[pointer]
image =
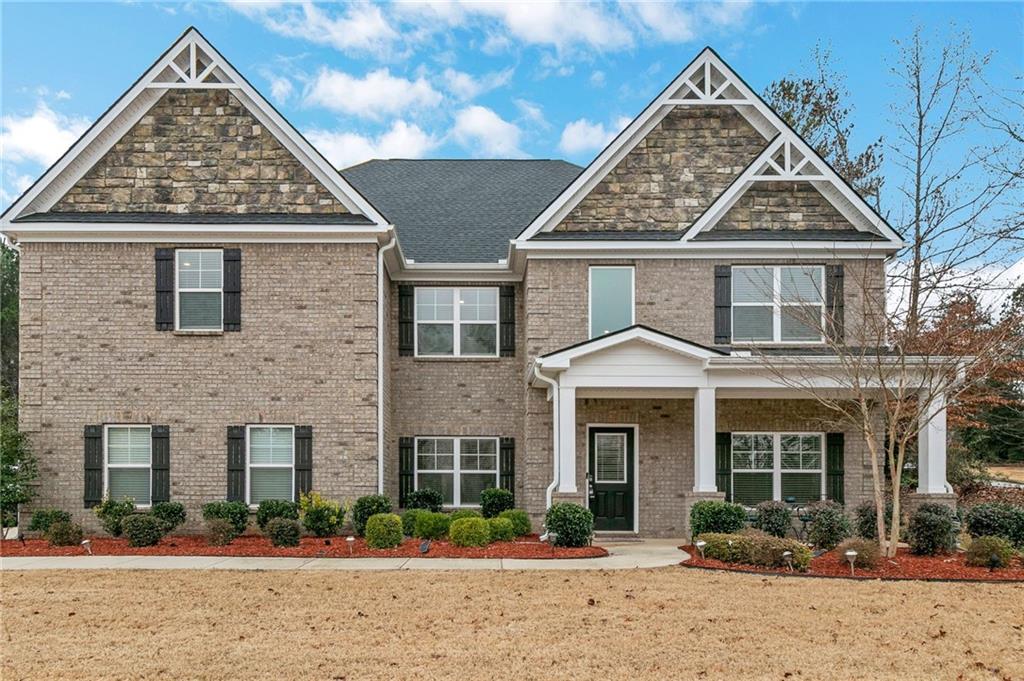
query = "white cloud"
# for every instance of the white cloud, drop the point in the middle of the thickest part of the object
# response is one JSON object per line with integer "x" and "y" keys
{"x": 402, "y": 140}
{"x": 361, "y": 28}
{"x": 373, "y": 96}
{"x": 597, "y": 78}
{"x": 41, "y": 136}
{"x": 531, "y": 112}
{"x": 280, "y": 88}
{"x": 678, "y": 23}
{"x": 560, "y": 24}
{"x": 582, "y": 136}
{"x": 466, "y": 86}
{"x": 485, "y": 133}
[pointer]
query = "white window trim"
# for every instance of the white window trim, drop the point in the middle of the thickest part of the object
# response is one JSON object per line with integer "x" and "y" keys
{"x": 776, "y": 305}
{"x": 456, "y": 470}
{"x": 456, "y": 321}
{"x": 249, "y": 465}
{"x": 776, "y": 469}
{"x": 178, "y": 290}
{"x": 106, "y": 459}
{"x": 590, "y": 295}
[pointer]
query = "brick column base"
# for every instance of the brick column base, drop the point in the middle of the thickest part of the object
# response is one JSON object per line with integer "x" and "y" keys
{"x": 691, "y": 498}
{"x": 912, "y": 501}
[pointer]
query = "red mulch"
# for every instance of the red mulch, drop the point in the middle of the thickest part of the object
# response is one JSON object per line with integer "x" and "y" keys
{"x": 904, "y": 566}
{"x": 309, "y": 547}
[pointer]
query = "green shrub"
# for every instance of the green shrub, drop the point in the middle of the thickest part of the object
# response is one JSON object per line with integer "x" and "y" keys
{"x": 716, "y": 516}
{"x": 220, "y": 532}
{"x": 235, "y": 512}
{"x": 470, "y": 532}
{"x": 384, "y": 531}
{"x": 573, "y": 524}
{"x": 409, "y": 520}
{"x": 64, "y": 533}
{"x": 520, "y": 521}
{"x": 994, "y": 520}
{"x": 867, "y": 550}
{"x": 461, "y": 513}
{"x": 501, "y": 529}
{"x": 865, "y": 523}
{"x": 111, "y": 513}
{"x": 321, "y": 517}
{"x": 42, "y": 518}
{"x": 432, "y": 525}
{"x": 990, "y": 552}
{"x": 142, "y": 529}
{"x": 828, "y": 525}
{"x": 931, "y": 530}
{"x": 773, "y": 517}
{"x": 283, "y": 531}
{"x": 275, "y": 508}
{"x": 494, "y": 500}
{"x": 751, "y": 549}
{"x": 366, "y": 507}
{"x": 427, "y": 499}
{"x": 171, "y": 515}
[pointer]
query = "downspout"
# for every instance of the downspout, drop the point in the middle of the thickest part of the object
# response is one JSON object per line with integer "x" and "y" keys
{"x": 554, "y": 445}
{"x": 380, "y": 361}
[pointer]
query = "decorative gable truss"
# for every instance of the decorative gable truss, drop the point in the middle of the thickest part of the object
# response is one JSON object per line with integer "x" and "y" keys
{"x": 191, "y": 67}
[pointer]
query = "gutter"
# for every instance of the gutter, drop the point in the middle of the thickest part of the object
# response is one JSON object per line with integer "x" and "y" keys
{"x": 554, "y": 445}
{"x": 380, "y": 360}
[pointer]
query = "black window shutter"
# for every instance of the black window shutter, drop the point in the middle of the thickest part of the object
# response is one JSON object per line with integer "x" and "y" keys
{"x": 507, "y": 470}
{"x": 834, "y": 300}
{"x": 723, "y": 464}
{"x": 93, "y": 465}
{"x": 406, "y": 319}
{"x": 723, "y": 304}
{"x": 834, "y": 455}
{"x": 236, "y": 463}
{"x": 232, "y": 289}
{"x": 164, "y": 289}
{"x": 406, "y": 468}
{"x": 160, "y": 463}
{"x": 508, "y": 321}
{"x": 303, "y": 460}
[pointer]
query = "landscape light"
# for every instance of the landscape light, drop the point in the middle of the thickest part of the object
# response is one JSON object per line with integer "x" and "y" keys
{"x": 552, "y": 537}
{"x": 788, "y": 557}
{"x": 87, "y": 545}
{"x": 700, "y": 544}
{"x": 851, "y": 556}
{"x": 350, "y": 541}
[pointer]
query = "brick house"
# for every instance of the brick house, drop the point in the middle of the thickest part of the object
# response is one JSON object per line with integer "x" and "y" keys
{"x": 209, "y": 310}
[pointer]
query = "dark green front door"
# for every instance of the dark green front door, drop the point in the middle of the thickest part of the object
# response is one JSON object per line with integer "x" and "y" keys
{"x": 610, "y": 473}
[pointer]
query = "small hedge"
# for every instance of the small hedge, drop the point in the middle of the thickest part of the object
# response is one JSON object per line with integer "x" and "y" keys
{"x": 828, "y": 526}
{"x": 283, "y": 531}
{"x": 142, "y": 529}
{"x": 931, "y": 531}
{"x": 751, "y": 549}
{"x": 865, "y": 524}
{"x": 220, "y": 532}
{"x": 461, "y": 513}
{"x": 235, "y": 512}
{"x": 501, "y": 529}
{"x": 494, "y": 500}
{"x": 520, "y": 521}
{"x": 111, "y": 513}
{"x": 773, "y": 517}
{"x": 384, "y": 531}
{"x": 43, "y": 518}
{"x": 368, "y": 506}
{"x": 431, "y": 525}
{"x": 171, "y": 515}
{"x": 426, "y": 499}
{"x": 990, "y": 552}
{"x": 867, "y": 550}
{"x": 716, "y": 516}
{"x": 470, "y": 531}
{"x": 321, "y": 517}
{"x": 275, "y": 508}
{"x": 409, "y": 520}
{"x": 64, "y": 533}
{"x": 572, "y": 523}
{"x": 990, "y": 520}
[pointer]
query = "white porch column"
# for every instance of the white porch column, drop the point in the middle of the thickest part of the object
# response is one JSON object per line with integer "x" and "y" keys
{"x": 931, "y": 448}
{"x": 567, "y": 440}
{"x": 704, "y": 441}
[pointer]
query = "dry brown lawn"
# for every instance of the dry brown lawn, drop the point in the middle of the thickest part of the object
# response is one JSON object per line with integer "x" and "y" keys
{"x": 1014, "y": 473}
{"x": 654, "y": 624}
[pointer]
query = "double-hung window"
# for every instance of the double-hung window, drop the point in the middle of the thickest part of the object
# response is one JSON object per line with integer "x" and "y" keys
{"x": 129, "y": 456}
{"x": 199, "y": 299}
{"x": 456, "y": 322}
{"x": 611, "y": 299}
{"x": 459, "y": 468}
{"x": 778, "y": 304}
{"x": 271, "y": 457}
{"x": 777, "y": 466}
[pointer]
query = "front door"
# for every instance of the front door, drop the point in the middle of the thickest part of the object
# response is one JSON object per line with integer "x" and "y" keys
{"x": 610, "y": 474}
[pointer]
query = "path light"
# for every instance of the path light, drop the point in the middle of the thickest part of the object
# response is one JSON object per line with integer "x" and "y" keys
{"x": 788, "y": 557}
{"x": 851, "y": 556}
{"x": 350, "y": 541}
{"x": 552, "y": 537}
{"x": 700, "y": 544}
{"x": 993, "y": 562}
{"x": 425, "y": 546}
{"x": 87, "y": 545}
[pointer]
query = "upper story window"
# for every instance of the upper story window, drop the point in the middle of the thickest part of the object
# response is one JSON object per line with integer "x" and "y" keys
{"x": 611, "y": 299}
{"x": 778, "y": 304}
{"x": 199, "y": 299}
{"x": 271, "y": 455}
{"x": 456, "y": 322}
{"x": 129, "y": 457}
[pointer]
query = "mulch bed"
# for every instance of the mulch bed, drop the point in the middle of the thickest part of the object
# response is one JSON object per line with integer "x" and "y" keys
{"x": 309, "y": 547}
{"x": 904, "y": 566}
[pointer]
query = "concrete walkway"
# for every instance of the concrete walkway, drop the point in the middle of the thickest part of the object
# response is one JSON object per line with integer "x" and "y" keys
{"x": 638, "y": 554}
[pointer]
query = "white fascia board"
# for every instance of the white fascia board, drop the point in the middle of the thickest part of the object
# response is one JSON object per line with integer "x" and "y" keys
{"x": 798, "y": 250}
{"x": 474, "y": 272}
{"x": 562, "y": 360}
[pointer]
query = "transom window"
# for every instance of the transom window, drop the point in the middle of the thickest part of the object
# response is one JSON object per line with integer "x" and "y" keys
{"x": 271, "y": 457}
{"x": 459, "y": 468}
{"x": 611, "y": 299}
{"x": 456, "y": 322}
{"x": 199, "y": 300}
{"x": 777, "y": 466}
{"x": 129, "y": 455}
{"x": 783, "y": 304}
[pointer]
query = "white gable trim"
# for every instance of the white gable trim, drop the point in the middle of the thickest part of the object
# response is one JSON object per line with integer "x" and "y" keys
{"x": 563, "y": 358}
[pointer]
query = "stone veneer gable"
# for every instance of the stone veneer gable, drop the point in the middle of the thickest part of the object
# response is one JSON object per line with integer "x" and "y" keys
{"x": 783, "y": 206}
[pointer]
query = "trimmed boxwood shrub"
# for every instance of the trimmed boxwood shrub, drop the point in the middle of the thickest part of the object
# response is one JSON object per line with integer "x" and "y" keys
{"x": 235, "y": 512}
{"x": 283, "y": 531}
{"x": 111, "y": 513}
{"x": 990, "y": 552}
{"x": 520, "y": 521}
{"x": 993, "y": 520}
{"x": 828, "y": 525}
{"x": 220, "y": 532}
{"x": 171, "y": 515}
{"x": 428, "y": 499}
{"x": 753, "y": 549}
{"x": 368, "y": 506}
{"x": 716, "y": 516}
{"x": 461, "y": 513}
{"x": 409, "y": 520}
{"x": 384, "y": 531}
{"x": 867, "y": 550}
{"x": 494, "y": 500}
{"x": 321, "y": 517}
{"x": 64, "y": 533}
{"x": 431, "y": 525}
{"x": 864, "y": 524}
{"x": 275, "y": 508}
{"x": 573, "y": 524}
{"x": 773, "y": 517}
{"x": 501, "y": 529}
{"x": 43, "y": 518}
{"x": 142, "y": 529}
{"x": 931, "y": 531}
{"x": 470, "y": 531}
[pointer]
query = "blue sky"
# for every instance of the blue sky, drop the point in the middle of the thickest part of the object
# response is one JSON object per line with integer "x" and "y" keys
{"x": 452, "y": 79}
